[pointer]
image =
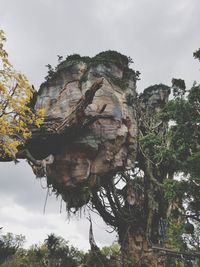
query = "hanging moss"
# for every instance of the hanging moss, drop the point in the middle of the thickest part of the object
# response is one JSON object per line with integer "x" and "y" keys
{"x": 75, "y": 196}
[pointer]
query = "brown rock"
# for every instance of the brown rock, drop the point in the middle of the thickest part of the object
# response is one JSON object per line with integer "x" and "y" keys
{"x": 102, "y": 137}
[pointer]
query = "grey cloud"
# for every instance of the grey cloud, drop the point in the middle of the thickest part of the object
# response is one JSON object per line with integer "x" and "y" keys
{"x": 44, "y": 30}
{"x": 23, "y": 198}
{"x": 156, "y": 34}
{"x": 103, "y": 234}
{"x": 19, "y": 184}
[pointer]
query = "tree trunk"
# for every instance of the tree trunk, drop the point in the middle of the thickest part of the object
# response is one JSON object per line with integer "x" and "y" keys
{"x": 136, "y": 251}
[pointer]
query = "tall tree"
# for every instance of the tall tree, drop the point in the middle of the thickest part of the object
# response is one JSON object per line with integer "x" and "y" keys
{"x": 161, "y": 193}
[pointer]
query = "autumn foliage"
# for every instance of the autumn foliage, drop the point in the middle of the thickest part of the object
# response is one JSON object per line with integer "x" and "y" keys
{"x": 16, "y": 116}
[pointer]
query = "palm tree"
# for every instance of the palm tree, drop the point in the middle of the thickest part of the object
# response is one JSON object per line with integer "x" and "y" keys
{"x": 52, "y": 242}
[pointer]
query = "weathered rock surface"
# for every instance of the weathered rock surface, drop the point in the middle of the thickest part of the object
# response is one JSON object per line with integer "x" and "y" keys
{"x": 100, "y": 141}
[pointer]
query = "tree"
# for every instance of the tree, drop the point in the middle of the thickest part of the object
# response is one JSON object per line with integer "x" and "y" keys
{"x": 54, "y": 251}
{"x": 59, "y": 253}
{"x": 132, "y": 202}
{"x": 9, "y": 245}
{"x": 112, "y": 253}
{"x": 162, "y": 191}
{"x": 153, "y": 200}
{"x": 16, "y": 115}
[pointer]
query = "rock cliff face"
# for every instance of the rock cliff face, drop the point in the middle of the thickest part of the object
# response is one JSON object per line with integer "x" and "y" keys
{"x": 90, "y": 127}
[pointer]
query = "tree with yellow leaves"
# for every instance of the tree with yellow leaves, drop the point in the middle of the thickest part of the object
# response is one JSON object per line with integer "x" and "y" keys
{"x": 16, "y": 116}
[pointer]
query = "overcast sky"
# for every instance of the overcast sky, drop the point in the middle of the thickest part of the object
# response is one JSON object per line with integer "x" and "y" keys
{"x": 159, "y": 35}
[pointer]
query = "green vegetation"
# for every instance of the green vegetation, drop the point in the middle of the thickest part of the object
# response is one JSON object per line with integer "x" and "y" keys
{"x": 196, "y": 54}
{"x": 157, "y": 202}
{"x": 107, "y": 59}
{"x": 54, "y": 251}
{"x": 9, "y": 245}
{"x": 160, "y": 195}
{"x": 16, "y": 113}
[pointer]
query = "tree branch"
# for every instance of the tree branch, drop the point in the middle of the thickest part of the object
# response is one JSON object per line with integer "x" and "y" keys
{"x": 107, "y": 217}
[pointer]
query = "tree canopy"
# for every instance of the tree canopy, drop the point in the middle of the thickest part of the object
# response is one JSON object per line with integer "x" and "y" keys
{"x": 16, "y": 115}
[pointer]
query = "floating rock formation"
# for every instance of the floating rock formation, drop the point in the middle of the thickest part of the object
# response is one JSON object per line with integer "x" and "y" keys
{"x": 90, "y": 130}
